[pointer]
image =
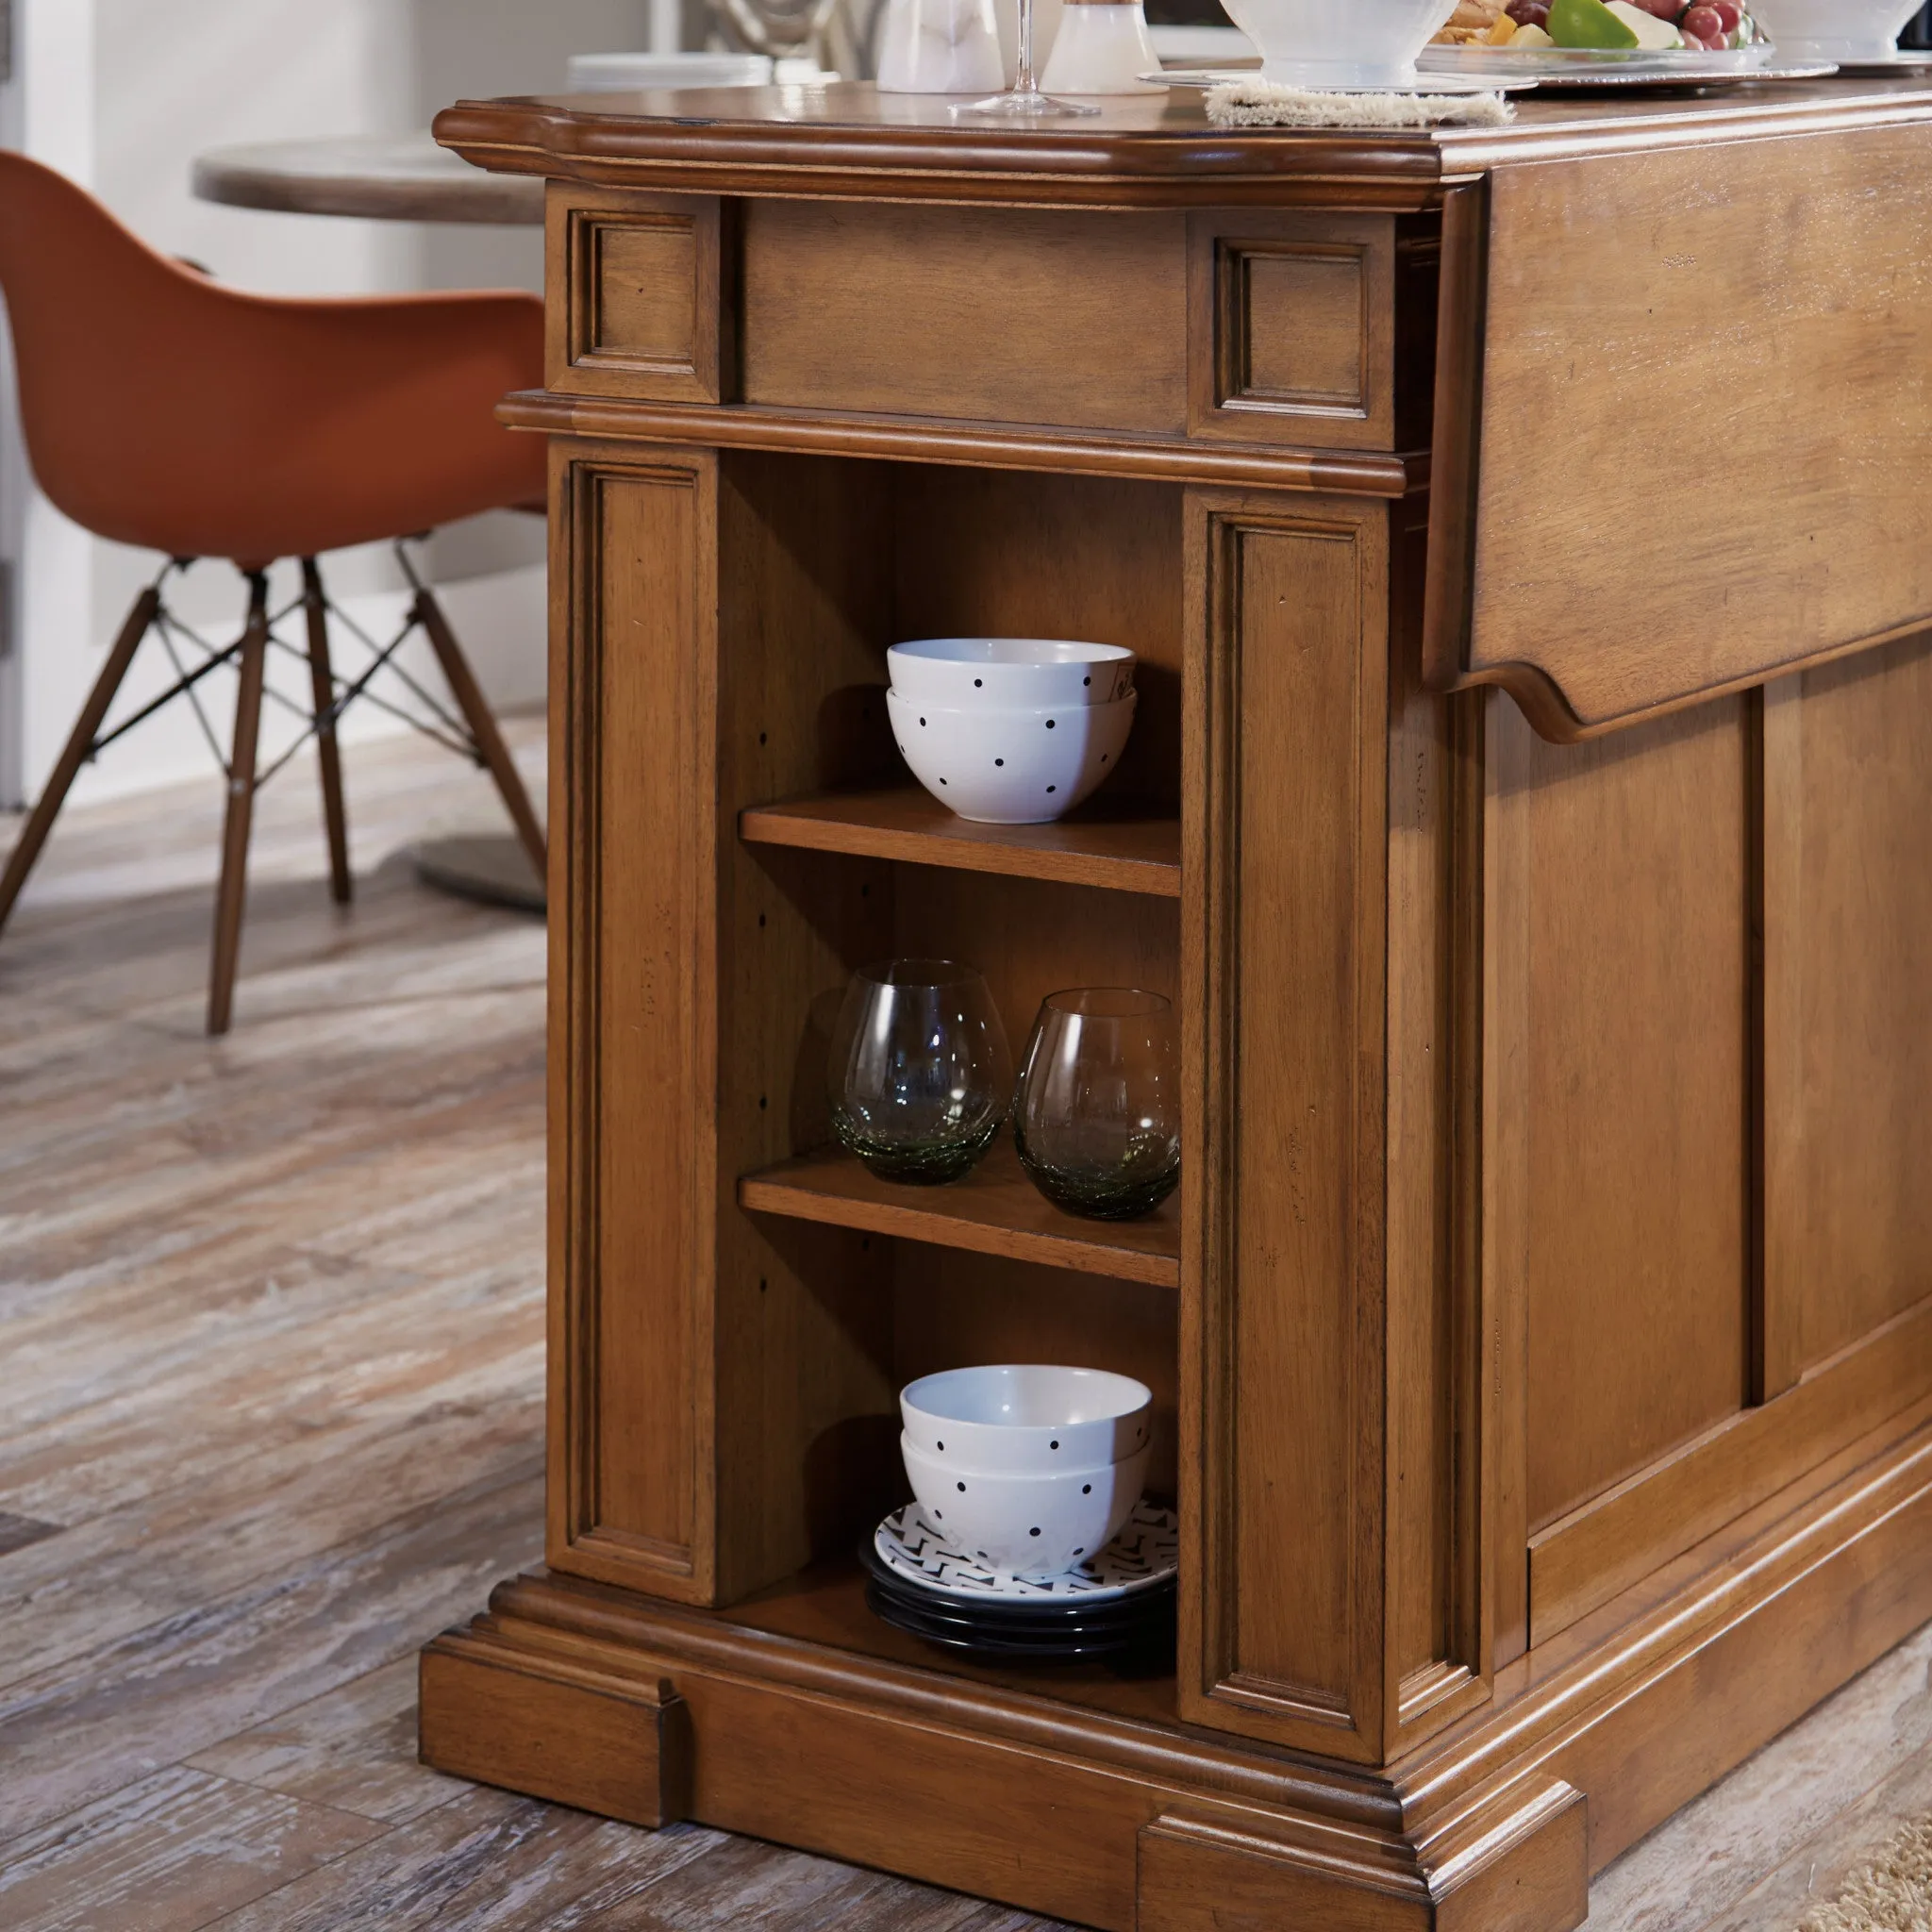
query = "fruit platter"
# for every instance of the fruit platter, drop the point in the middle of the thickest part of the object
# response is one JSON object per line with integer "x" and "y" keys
{"x": 1594, "y": 44}
{"x": 1596, "y": 28}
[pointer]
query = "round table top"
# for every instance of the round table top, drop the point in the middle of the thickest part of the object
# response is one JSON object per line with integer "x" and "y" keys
{"x": 394, "y": 177}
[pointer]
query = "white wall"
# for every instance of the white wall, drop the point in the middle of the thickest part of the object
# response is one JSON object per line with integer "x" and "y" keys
{"x": 122, "y": 94}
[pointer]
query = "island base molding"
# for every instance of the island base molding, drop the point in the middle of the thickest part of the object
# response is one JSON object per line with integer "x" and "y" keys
{"x": 651, "y": 1712}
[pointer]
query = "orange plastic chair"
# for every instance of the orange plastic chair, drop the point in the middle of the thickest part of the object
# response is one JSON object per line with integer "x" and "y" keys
{"x": 164, "y": 410}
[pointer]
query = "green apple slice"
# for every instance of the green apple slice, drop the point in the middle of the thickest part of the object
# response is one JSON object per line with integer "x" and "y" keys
{"x": 1588, "y": 23}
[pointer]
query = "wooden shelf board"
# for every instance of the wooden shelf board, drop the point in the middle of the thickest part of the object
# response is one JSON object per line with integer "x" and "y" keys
{"x": 1127, "y": 848}
{"x": 825, "y": 1605}
{"x": 994, "y": 1210}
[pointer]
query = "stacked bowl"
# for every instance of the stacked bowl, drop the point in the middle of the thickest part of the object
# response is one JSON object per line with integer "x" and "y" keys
{"x": 1028, "y": 1532}
{"x": 1011, "y": 731}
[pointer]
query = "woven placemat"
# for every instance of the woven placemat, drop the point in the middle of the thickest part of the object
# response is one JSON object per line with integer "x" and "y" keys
{"x": 1893, "y": 1893}
{"x": 1269, "y": 104}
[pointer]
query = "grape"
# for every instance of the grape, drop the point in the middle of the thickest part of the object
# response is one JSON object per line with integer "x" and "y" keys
{"x": 1661, "y": 10}
{"x": 1530, "y": 12}
{"x": 1728, "y": 13}
{"x": 1704, "y": 25}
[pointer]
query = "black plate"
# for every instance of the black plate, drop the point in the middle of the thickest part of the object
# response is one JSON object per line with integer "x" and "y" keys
{"x": 1088, "y": 1629}
{"x": 1044, "y": 1613}
{"x": 1046, "y": 1649}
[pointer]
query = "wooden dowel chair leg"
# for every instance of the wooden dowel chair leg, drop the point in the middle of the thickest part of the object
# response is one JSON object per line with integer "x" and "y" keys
{"x": 233, "y": 893}
{"x": 80, "y": 743}
{"x": 329, "y": 755}
{"x": 476, "y": 715}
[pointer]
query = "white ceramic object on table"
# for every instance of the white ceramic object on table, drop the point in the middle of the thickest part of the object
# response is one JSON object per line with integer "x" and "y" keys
{"x": 1018, "y": 767}
{"x": 619, "y": 72}
{"x": 1835, "y": 29}
{"x": 939, "y": 47}
{"x": 1342, "y": 43}
{"x": 1102, "y": 48}
{"x": 1007, "y": 673}
{"x": 1027, "y": 1418}
{"x": 1033, "y": 1524}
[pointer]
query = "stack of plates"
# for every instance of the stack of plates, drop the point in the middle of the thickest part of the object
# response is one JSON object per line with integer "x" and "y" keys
{"x": 1119, "y": 1603}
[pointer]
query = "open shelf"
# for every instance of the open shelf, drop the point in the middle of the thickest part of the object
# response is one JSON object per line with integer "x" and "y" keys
{"x": 994, "y": 1210}
{"x": 825, "y": 1604}
{"x": 1123, "y": 847}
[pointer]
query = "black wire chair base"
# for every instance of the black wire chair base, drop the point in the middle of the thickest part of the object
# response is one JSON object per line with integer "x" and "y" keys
{"x": 180, "y": 639}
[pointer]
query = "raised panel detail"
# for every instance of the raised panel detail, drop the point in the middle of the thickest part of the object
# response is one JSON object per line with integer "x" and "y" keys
{"x": 1070, "y": 319}
{"x": 1283, "y": 895}
{"x": 631, "y": 1037}
{"x": 1300, "y": 331}
{"x": 1848, "y": 993}
{"x": 1616, "y": 1134}
{"x": 646, "y": 311}
{"x": 643, "y": 274}
{"x": 1292, "y": 330}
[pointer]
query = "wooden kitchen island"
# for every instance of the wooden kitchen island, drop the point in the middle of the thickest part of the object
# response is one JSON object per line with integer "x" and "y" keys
{"x": 1527, "y": 536}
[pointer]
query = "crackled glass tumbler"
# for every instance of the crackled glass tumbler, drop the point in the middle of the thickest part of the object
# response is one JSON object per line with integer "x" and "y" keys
{"x": 920, "y": 1071}
{"x": 1097, "y": 1117}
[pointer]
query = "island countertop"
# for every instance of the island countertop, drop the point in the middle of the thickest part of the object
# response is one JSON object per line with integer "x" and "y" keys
{"x": 848, "y": 138}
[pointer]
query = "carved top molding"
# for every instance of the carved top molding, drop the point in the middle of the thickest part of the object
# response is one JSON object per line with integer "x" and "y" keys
{"x": 849, "y": 142}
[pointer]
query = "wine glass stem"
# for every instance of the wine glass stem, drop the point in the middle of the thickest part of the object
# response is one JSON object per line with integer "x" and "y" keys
{"x": 1023, "y": 80}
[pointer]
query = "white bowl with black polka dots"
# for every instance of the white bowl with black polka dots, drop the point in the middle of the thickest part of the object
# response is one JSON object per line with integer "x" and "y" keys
{"x": 1011, "y": 767}
{"x": 1027, "y": 1418}
{"x": 998, "y": 673}
{"x": 1034, "y": 1524}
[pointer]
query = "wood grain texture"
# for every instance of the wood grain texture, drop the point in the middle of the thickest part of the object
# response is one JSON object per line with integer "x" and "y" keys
{"x": 1283, "y": 900}
{"x": 353, "y": 1749}
{"x": 1623, "y": 1154}
{"x": 994, "y": 1210}
{"x": 646, "y": 297}
{"x": 1030, "y": 446}
{"x": 633, "y": 1189}
{"x": 1848, "y": 961}
{"x": 847, "y": 142}
{"x": 1807, "y": 265}
{"x": 959, "y": 313}
{"x": 804, "y": 1312}
{"x": 335, "y": 1218}
{"x": 1782, "y": 1833}
{"x": 1436, "y": 1655}
{"x": 622, "y": 1751}
{"x": 171, "y": 1852}
{"x": 1585, "y": 1559}
{"x": 1129, "y": 852}
{"x": 1291, "y": 328}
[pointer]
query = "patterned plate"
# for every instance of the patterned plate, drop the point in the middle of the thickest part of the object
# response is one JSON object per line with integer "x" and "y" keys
{"x": 1030, "y": 1616}
{"x": 1146, "y": 1552}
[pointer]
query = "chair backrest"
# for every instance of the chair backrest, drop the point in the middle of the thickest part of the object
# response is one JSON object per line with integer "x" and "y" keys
{"x": 164, "y": 410}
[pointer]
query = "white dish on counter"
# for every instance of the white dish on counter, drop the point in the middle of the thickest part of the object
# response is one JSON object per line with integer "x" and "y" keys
{"x": 1011, "y": 767}
{"x": 1363, "y": 46}
{"x": 1030, "y": 1524}
{"x": 1835, "y": 29}
{"x": 1027, "y": 1417}
{"x": 592, "y": 74}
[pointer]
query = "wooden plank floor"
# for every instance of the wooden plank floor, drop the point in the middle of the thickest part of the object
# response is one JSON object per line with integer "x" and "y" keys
{"x": 271, "y": 1327}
